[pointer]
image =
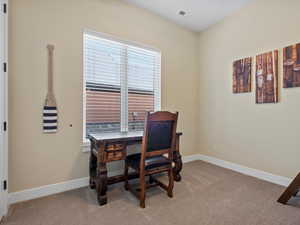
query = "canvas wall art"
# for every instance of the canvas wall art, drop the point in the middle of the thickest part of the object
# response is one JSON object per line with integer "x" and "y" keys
{"x": 291, "y": 66}
{"x": 242, "y": 75}
{"x": 267, "y": 77}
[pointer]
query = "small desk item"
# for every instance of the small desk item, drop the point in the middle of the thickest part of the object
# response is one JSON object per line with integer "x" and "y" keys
{"x": 109, "y": 147}
{"x": 292, "y": 190}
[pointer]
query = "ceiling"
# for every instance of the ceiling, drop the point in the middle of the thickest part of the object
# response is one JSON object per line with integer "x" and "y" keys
{"x": 200, "y": 14}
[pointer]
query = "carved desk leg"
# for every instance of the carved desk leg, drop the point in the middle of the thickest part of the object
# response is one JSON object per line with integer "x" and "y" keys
{"x": 178, "y": 162}
{"x": 93, "y": 167}
{"x": 101, "y": 179}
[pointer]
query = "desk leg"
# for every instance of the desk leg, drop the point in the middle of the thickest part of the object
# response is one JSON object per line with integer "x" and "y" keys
{"x": 178, "y": 162}
{"x": 102, "y": 183}
{"x": 93, "y": 170}
{"x": 178, "y": 166}
{"x": 101, "y": 177}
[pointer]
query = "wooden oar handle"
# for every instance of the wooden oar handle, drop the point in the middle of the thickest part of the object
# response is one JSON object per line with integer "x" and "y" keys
{"x": 50, "y": 68}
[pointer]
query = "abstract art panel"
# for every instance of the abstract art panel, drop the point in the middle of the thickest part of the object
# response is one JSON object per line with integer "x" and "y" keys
{"x": 242, "y": 75}
{"x": 291, "y": 66}
{"x": 267, "y": 77}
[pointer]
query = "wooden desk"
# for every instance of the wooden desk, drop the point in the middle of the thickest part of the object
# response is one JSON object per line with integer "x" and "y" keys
{"x": 108, "y": 147}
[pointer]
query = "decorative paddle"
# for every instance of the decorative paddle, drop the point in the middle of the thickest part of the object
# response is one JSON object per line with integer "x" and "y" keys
{"x": 50, "y": 109}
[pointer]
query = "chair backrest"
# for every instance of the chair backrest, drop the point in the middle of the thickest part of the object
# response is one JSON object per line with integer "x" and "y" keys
{"x": 159, "y": 134}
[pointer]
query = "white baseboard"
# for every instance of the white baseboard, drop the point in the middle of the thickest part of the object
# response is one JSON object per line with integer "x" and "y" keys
{"x": 280, "y": 180}
{"x": 190, "y": 158}
{"x": 51, "y": 189}
{"x": 46, "y": 190}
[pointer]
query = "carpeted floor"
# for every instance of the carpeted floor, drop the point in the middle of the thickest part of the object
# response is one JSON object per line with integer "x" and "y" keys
{"x": 208, "y": 195}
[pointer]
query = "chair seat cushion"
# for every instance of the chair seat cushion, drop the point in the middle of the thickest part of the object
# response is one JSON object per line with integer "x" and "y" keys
{"x": 150, "y": 163}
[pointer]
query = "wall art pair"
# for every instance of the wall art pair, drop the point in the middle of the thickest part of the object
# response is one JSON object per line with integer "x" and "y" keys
{"x": 266, "y": 74}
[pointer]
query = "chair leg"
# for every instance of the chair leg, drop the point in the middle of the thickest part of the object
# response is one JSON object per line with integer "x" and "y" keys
{"x": 126, "y": 184}
{"x": 171, "y": 183}
{"x": 143, "y": 190}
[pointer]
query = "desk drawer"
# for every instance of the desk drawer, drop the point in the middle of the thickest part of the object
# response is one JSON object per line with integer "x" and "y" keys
{"x": 114, "y": 156}
{"x": 114, "y": 152}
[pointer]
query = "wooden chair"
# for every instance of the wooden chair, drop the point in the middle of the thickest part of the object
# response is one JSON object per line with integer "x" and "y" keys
{"x": 292, "y": 190}
{"x": 159, "y": 140}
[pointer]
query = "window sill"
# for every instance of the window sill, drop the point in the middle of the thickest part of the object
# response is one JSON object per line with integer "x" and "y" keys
{"x": 86, "y": 146}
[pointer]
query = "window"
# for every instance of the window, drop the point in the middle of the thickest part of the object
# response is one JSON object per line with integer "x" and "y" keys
{"x": 122, "y": 83}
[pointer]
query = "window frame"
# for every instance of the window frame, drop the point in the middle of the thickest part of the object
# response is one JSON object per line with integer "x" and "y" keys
{"x": 124, "y": 84}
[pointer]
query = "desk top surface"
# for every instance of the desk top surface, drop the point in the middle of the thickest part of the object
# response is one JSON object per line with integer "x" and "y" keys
{"x": 119, "y": 136}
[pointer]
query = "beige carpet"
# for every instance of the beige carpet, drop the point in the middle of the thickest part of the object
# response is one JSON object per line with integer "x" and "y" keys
{"x": 208, "y": 195}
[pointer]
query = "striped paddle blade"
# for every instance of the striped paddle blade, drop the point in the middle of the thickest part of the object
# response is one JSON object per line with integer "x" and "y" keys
{"x": 50, "y": 119}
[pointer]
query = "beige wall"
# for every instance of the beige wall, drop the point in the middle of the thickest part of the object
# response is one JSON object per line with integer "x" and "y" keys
{"x": 231, "y": 126}
{"x": 196, "y": 81}
{"x": 37, "y": 159}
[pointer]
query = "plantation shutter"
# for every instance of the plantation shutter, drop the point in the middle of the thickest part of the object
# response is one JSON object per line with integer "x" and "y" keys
{"x": 122, "y": 82}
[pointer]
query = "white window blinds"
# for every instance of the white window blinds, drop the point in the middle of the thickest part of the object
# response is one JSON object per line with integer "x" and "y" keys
{"x": 122, "y": 82}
